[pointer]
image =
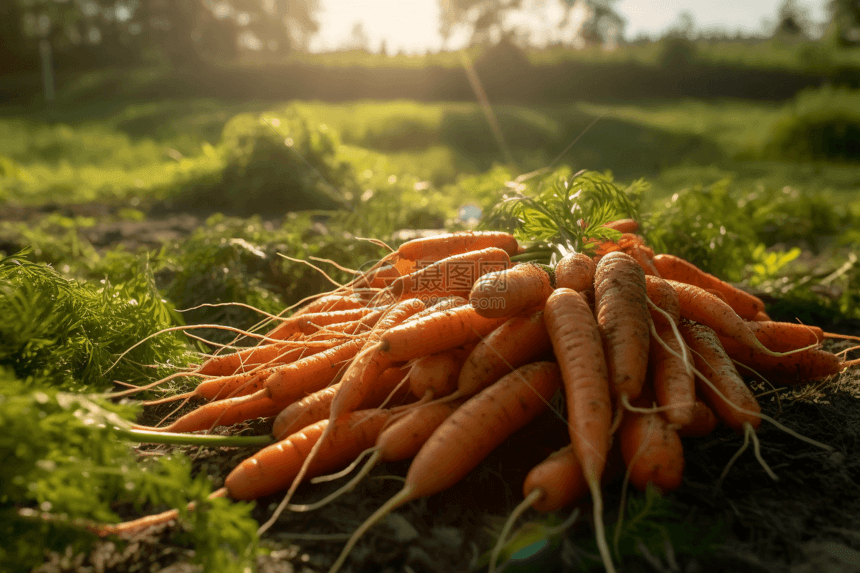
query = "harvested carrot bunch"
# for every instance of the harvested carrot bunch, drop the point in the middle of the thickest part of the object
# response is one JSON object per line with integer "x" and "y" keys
{"x": 454, "y": 342}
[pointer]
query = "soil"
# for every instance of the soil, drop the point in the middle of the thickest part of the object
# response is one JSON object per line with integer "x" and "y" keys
{"x": 808, "y": 521}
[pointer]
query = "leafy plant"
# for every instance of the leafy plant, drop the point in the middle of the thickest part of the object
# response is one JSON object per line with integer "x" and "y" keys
{"x": 70, "y": 333}
{"x": 65, "y": 467}
{"x": 563, "y": 212}
{"x": 822, "y": 123}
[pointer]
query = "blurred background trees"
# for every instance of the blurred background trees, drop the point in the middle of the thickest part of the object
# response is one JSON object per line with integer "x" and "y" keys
{"x": 92, "y": 33}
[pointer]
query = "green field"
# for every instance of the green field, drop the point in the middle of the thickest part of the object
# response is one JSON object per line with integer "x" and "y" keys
{"x": 145, "y": 208}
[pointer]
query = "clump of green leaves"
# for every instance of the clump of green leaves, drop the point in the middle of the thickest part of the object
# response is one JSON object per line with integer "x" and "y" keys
{"x": 558, "y": 212}
{"x": 822, "y": 123}
{"x": 273, "y": 162}
{"x": 705, "y": 226}
{"x": 70, "y": 333}
{"x": 239, "y": 260}
{"x": 65, "y": 466}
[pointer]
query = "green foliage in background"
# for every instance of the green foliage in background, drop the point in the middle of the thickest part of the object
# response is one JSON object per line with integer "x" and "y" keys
{"x": 822, "y": 124}
{"x": 757, "y": 236}
{"x": 276, "y": 162}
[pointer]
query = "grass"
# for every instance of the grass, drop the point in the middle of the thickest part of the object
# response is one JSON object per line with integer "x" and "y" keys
{"x": 109, "y": 157}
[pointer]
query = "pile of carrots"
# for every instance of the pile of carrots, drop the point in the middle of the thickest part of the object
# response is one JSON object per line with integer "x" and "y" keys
{"x": 446, "y": 348}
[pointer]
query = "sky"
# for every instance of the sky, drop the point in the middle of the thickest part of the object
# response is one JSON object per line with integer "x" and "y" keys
{"x": 412, "y": 26}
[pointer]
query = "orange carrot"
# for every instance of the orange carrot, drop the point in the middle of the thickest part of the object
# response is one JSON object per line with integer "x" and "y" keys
{"x": 355, "y": 385}
{"x": 452, "y": 275}
{"x": 578, "y": 347}
{"x": 652, "y": 450}
{"x": 559, "y": 479}
{"x": 435, "y": 373}
{"x": 521, "y": 339}
{"x": 623, "y": 225}
{"x": 712, "y": 361}
{"x": 701, "y": 306}
{"x": 785, "y": 336}
{"x": 295, "y": 357}
{"x": 438, "y": 247}
{"x": 787, "y": 370}
{"x": 274, "y": 467}
{"x": 222, "y": 413}
{"x": 664, "y": 296}
{"x": 299, "y": 379}
{"x": 436, "y": 332}
{"x": 623, "y": 319}
{"x": 508, "y": 292}
{"x": 674, "y": 386}
{"x": 310, "y": 322}
{"x": 677, "y": 269}
{"x": 466, "y": 437}
{"x": 575, "y": 271}
{"x": 579, "y": 350}
{"x": 335, "y": 302}
{"x": 554, "y": 483}
{"x": 402, "y": 439}
{"x": 704, "y": 422}
{"x": 316, "y": 406}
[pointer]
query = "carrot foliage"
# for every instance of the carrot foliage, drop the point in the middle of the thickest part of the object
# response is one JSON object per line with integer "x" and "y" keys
{"x": 69, "y": 333}
{"x": 64, "y": 459}
{"x": 559, "y": 212}
{"x": 66, "y": 465}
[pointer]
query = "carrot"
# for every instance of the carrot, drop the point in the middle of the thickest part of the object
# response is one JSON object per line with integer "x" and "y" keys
{"x": 316, "y": 406}
{"x": 674, "y": 385}
{"x": 466, "y": 437}
{"x": 400, "y": 440}
{"x": 789, "y": 370}
{"x": 635, "y": 246}
{"x": 251, "y": 381}
{"x": 701, "y": 306}
{"x": 761, "y": 315}
{"x": 578, "y": 347}
{"x": 444, "y": 303}
{"x": 664, "y": 296}
{"x": 452, "y": 275}
{"x": 310, "y": 322}
{"x": 677, "y": 269}
{"x": 436, "y": 332}
{"x": 739, "y": 405}
{"x": 435, "y": 373}
{"x": 652, "y": 451}
{"x": 575, "y": 271}
{"x": 559, "y": 479}
{"x": 299, "y": 379}
{"x": 128, "y": 528}
{"x": 521, "y": 339}
{"x": 355, "y": 385}
{"x": 785, "y": 336}
{"x": 223, "y": 413}
{"x": 284, "y": 385}
{"x": 623, "y": 225}
{"x": 623, "y": 319}
{"x": 551, "y": 485}
{"x": 510, "y": 291}
{"x": 704, "y": 422}
{"x": 438, "y": 247}
{"x": 335, "y": 302}
{"x": 274, "y": 467}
